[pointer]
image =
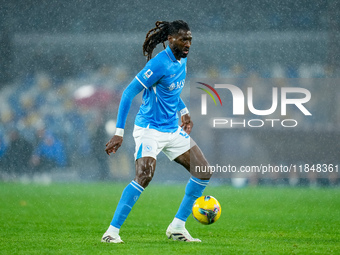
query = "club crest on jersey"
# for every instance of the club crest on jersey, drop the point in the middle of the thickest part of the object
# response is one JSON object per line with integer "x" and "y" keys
{"x": 147, "y": 74}
{"x": 148, "y": 148}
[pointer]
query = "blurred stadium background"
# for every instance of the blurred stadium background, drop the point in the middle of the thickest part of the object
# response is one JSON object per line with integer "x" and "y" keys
{"x": 64, "y": 64}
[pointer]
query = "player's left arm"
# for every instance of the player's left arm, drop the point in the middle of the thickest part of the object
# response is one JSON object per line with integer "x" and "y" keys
{"x": 187, "y": 124}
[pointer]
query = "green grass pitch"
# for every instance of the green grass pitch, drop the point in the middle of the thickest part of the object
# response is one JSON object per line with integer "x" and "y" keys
{"x": 71, "y": 218}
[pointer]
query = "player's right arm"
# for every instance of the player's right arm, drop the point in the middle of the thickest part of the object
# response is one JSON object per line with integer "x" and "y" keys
{"x": 150, "y": 74}
{"x": 129, "y": 93}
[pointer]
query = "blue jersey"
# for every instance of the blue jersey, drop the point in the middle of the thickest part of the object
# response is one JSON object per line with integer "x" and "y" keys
{"x": 163, "y": 78}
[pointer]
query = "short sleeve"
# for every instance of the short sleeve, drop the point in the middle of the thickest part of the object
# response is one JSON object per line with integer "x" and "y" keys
{"x": 151, "y": 73}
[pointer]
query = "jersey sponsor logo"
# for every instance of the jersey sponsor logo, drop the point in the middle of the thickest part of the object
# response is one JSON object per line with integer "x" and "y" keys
{"x": 172, "y": 86}
{"x": 177, "y": 85}
{"x": 147, "y": 74}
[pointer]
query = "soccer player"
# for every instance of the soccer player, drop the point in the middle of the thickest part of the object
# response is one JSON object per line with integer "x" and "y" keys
{"x": 156, "y": 127}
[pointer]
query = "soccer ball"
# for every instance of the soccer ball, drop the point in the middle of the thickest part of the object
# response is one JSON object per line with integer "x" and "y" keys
{"x": 206, "y": 210}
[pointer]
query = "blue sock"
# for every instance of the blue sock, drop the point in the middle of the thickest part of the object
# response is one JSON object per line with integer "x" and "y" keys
{"x": 193, "y": 190}
{"x": 129, "y": 197}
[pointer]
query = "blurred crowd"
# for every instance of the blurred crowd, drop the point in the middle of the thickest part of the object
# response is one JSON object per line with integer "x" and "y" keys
{"x": 53, "y": 121}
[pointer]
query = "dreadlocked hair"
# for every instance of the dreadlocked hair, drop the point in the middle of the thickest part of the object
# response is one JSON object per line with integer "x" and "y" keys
{"x": 159, "y": 34}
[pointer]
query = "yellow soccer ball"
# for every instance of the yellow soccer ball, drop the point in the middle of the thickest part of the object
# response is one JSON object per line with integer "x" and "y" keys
{"x": 206, "y": 210}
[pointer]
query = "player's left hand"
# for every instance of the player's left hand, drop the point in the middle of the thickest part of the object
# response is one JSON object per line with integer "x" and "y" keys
{"x": 187, "y": 124}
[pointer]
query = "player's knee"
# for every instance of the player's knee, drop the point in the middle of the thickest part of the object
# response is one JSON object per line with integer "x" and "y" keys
{"x": 144, "y": 178}
{"x": 145, "y": 172}
{"x": 144, "y": 181}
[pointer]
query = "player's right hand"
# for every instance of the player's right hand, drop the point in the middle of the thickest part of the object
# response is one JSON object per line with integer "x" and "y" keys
{"x": 114, "y": 143}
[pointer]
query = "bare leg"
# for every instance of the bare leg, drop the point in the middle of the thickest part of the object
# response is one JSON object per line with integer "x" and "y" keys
{"x": 192, "y": 158}
{"x": 145, "y": 169}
